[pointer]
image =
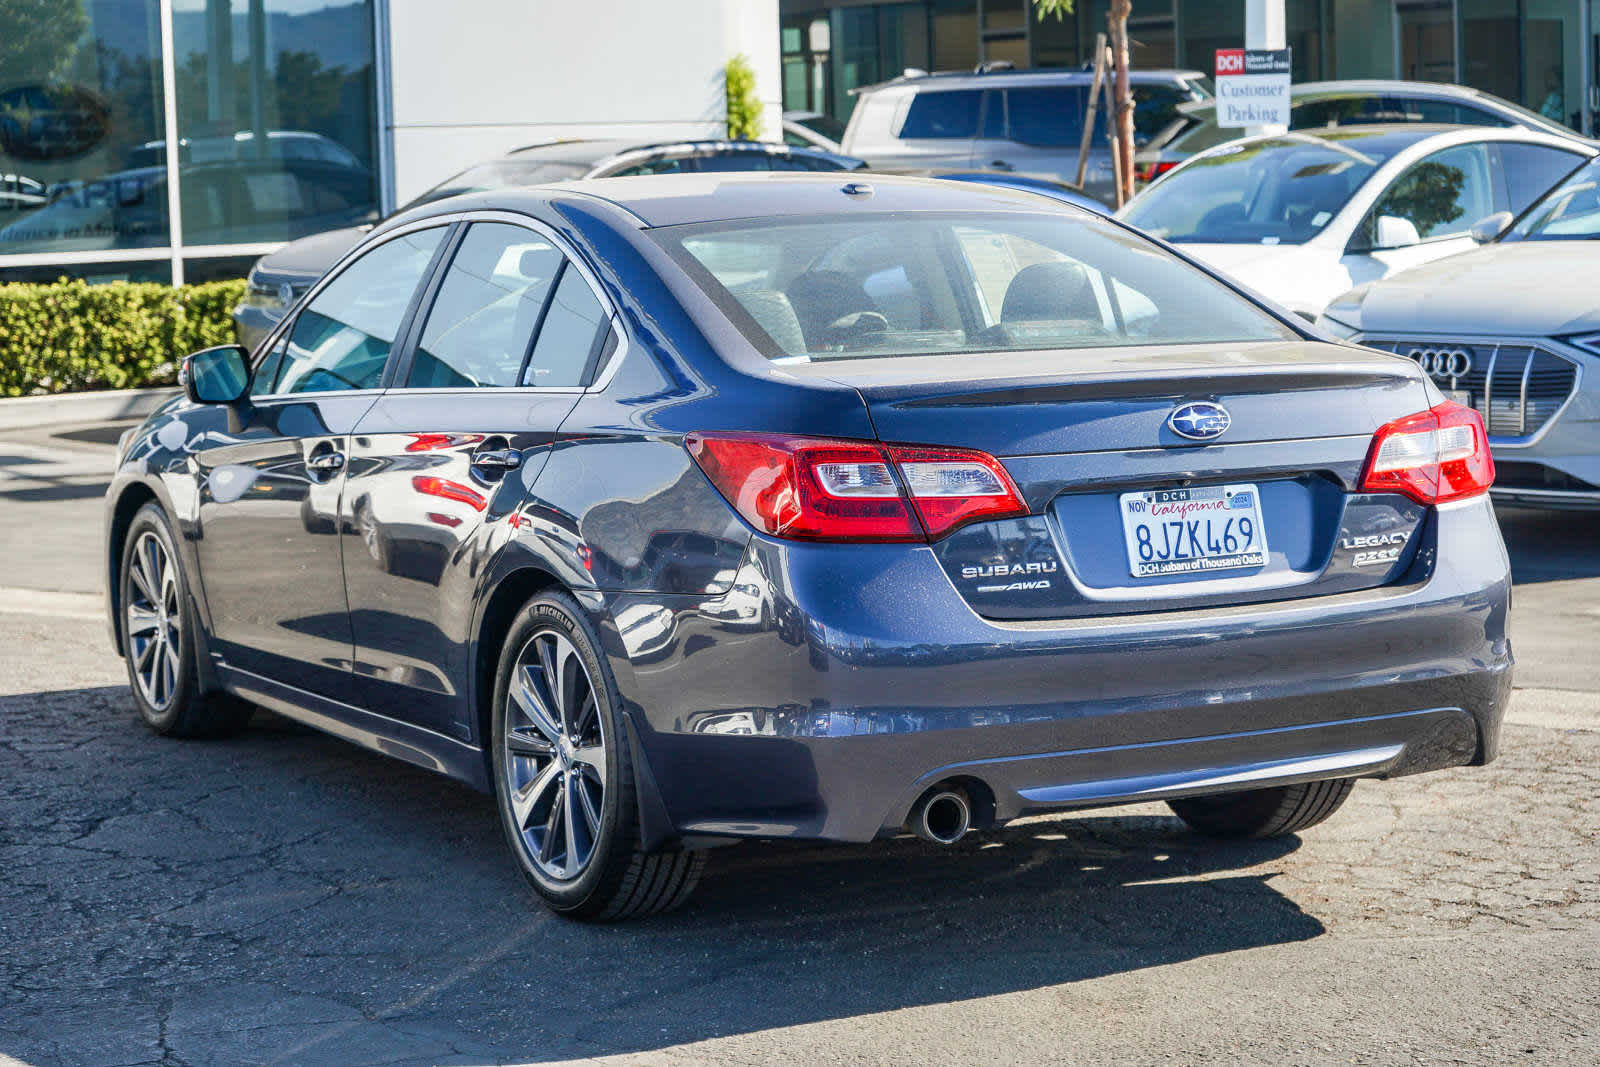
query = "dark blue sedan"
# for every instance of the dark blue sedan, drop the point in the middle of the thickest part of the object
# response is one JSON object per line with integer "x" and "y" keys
{"x": 679, "y": 510}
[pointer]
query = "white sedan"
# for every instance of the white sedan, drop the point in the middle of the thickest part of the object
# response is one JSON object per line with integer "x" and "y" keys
{"x": 1302, "y": 217}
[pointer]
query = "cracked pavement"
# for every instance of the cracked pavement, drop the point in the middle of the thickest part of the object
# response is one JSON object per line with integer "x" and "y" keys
{"x": 283, "y": 897}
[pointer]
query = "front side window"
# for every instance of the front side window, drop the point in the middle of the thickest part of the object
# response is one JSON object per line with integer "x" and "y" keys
{"x": 1442, "y": 196}
{"x": 942, "y": 115}
{"x": 481, "y": 324}
{"x": 1570, "y": 212}
{"x": 936, "y": 284}
{"x": 1282, "y": 191}
{"x": 341, "y": 340}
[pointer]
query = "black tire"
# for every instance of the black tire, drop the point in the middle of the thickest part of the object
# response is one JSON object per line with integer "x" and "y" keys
{"x": 618, "y": 880}
{"x": 176, "y": 706}
{"x": 1284, "y": 809}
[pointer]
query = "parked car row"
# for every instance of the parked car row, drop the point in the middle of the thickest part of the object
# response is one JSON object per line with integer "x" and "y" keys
{"x": 1373, "y": 179}
{"x": 1512, "y": 330}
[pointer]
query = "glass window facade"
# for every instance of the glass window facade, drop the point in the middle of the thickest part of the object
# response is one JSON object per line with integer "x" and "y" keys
{"x": 276, "y": 130}
{"x": 1541, "y": 54}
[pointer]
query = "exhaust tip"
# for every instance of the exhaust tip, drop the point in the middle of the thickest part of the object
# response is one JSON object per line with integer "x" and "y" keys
{"x": 943, "y": 819}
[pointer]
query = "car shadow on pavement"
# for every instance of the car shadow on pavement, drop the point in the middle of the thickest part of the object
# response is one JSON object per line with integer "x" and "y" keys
{"x": 285, "y": 896}
{"x": 1549, "y": 546}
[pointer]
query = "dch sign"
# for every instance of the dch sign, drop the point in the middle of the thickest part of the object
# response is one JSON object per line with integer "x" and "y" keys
{"x": 1252, "y": 87}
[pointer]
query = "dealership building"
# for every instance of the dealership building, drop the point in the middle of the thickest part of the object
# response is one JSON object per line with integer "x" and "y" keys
{"x": 295, "y": 116}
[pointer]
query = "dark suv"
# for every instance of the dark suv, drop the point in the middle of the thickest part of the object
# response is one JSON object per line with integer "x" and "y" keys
{"x": 1028, "y": 122}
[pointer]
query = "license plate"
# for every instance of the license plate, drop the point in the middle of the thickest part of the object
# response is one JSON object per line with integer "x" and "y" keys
{"x": 1458, "y": 396}
{"x": 1187, "y": 531}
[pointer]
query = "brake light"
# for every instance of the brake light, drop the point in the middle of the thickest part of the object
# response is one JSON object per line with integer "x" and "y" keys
{"x": 817, "y": 489}
{"x": 1149, "y": 172}
{"x": 1433, "y": 457}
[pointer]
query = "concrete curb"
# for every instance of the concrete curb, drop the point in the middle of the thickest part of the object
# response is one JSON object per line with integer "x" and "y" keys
{"x": 29, "y": 411}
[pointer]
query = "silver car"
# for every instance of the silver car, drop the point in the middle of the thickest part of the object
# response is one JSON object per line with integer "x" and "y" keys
{"x": 1022, "y": 122}
{"x": 1322, "y": 105}
{"x": 1513, "y": 329}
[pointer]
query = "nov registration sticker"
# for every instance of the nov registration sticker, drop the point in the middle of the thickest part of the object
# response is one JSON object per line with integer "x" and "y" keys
{"x": 1187, "y": 531}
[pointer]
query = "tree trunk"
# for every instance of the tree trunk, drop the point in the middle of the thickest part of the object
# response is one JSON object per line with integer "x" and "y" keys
{"x": 1122, "y": 126}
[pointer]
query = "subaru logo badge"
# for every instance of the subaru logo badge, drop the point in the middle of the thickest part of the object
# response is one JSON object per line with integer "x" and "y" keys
{"x": 1200, "y": 421}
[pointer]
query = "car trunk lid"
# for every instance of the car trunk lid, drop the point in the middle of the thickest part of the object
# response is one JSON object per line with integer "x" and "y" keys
{"x": 1079, "y": 431}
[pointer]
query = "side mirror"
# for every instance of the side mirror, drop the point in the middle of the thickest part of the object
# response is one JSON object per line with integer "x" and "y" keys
{"x": 1396, "y": 232}
{"x": 1485, "y": 230}
{"x": 215, "y": 375}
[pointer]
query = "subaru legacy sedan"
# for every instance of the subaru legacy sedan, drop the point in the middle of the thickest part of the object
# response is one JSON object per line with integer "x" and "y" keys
{"x": 678, "y": 510}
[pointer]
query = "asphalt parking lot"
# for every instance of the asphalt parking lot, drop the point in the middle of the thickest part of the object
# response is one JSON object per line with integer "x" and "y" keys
{"x": 285, "y": 897}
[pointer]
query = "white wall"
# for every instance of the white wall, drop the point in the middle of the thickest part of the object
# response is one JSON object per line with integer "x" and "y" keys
{"x": 471, "y": 79}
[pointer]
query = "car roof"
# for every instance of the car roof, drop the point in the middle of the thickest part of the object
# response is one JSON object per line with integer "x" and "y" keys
{"x": 680, "y": 199}
{"x": 1397, "y": 136}
{"x": 961, "y": 79}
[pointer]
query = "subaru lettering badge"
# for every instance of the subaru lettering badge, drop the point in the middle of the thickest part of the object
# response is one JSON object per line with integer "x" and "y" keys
{"x": 1200, "y": 421}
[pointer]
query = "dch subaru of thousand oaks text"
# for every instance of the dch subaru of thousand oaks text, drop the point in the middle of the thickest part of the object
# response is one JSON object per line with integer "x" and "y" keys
{"x": 682, "y": 509}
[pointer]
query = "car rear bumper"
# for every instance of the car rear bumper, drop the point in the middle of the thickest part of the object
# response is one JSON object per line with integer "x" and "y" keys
{"x": 852, "y": 681}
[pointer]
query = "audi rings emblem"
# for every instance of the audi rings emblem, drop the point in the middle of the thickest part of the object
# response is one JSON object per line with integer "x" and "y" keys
{"x": 1441, "y": 364}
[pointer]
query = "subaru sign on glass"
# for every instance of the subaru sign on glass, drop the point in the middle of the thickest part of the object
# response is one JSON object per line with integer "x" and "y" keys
{"x": 1252, "y": 87}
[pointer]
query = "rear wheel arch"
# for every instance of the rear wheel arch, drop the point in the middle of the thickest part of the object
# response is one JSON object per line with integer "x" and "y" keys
{"x": 500, "y": 608}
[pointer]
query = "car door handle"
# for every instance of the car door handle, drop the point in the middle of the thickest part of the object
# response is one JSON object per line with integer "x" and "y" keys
{"x": 497, "y": 459}
{"x": 1000, "y": 164}
{"x": 326, "y": 462}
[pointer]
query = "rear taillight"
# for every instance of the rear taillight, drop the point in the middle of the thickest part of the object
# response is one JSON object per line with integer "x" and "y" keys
{"x": 1149, "y": 172}
{"x": 1433, "y": 457}
{"x": 816, "y": 489}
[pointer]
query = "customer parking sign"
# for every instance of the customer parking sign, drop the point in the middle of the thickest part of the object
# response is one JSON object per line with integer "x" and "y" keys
{"x": 1252, "y": 87}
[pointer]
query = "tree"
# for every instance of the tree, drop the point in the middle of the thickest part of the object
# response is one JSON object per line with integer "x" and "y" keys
{"x": 744, "y": 106}
{"x": 1122, "y": 92}
{"x": 38, "y": 39}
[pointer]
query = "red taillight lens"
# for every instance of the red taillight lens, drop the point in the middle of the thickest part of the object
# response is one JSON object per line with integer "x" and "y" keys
{"x": 1433, "y": 457}
{"x": 1149, "y": 172}
{"x": 815, "y": 489}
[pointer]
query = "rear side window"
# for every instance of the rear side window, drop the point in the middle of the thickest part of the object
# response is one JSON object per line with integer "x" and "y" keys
{"x": 726, "y": 161}
{"x": 1422, "y": 109}
{"x": 570, "y": 337}
{"x": 942, "y": 115}
{"x": 670, "y": 165}
{"x": 1155, "y": 107}
{"x": 1531, "y": 170}
{"x": 341, "y": 340}
{"x": 482, "y": 322}
{"x": 1048, "y": 116}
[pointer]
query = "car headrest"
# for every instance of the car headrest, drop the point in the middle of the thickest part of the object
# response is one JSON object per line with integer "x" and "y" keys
{"x": 1048, "y": 291}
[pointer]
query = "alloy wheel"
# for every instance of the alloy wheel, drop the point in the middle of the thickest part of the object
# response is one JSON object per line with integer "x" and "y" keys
{"x": 154, "y": 620}
{"x": 555, "y": 756}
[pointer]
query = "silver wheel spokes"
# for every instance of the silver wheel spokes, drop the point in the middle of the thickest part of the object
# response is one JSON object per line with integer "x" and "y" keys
{"x": 155, "y": 619}
{"x": 555, "y": 753}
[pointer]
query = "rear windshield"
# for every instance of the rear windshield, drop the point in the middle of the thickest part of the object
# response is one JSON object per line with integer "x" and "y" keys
{"x": 1260, "y": 192}
{"x": 501, "y": 174}
{"x": 914, "y": 285}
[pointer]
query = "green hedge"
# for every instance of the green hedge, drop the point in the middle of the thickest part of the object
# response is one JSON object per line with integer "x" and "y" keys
{"x": 69, "y": 335}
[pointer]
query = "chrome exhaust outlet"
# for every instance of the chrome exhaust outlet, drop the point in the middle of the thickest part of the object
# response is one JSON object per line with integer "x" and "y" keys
{"x": 944, "y": 818}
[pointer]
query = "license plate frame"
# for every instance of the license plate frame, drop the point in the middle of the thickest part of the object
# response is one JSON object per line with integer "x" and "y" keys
{"x": 1176, "y": 521}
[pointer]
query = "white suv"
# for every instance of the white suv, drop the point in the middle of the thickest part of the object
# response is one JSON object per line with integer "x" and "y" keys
{"x": 1025, "y": 122}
